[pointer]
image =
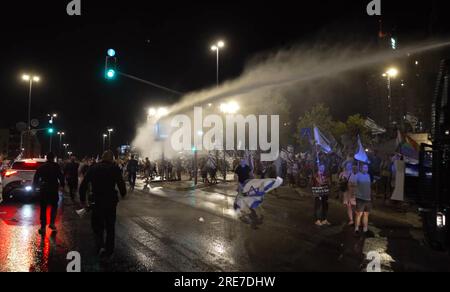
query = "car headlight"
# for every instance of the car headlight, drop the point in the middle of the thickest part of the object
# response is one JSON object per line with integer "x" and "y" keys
{"x": 28, "y": 189}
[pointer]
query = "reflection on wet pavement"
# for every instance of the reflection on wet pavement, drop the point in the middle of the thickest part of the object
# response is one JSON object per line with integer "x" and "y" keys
{"x": 166, "y": 230}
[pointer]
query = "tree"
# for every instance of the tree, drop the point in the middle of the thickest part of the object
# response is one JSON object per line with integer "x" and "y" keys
{"x": 356, "y": 125}
{"x": 318, "y": 116}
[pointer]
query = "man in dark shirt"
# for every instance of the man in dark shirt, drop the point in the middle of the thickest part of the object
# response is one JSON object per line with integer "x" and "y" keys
{"x": 243, "y": 172}
{"x": 104, "y": 177}
{"x": 49, "y": 179}
{"x": 132, "y": 168}
{"x": 71, "y": 174}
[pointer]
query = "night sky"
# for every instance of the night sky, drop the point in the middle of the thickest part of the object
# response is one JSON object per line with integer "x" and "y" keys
{"x": 165, "y": 43}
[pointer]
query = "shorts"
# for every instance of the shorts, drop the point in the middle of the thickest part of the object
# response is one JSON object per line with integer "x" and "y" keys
{"x": 363, "y": 206}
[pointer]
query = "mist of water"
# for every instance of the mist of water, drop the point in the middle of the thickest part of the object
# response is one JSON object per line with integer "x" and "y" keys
{"x": 284, "y": 72}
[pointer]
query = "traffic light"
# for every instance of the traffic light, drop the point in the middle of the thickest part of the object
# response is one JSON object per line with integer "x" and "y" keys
{"x": 111, "y": 64}
{"x": 50, "y": 130}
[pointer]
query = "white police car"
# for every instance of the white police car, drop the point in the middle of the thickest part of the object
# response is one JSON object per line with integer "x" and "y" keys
{"x": 18, "y": 179}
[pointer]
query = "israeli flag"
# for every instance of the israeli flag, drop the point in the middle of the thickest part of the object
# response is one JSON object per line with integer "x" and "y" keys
{"x": 321, "y": 141}
{"x": 251, "y": 193}
{"x": 361, "y": 155}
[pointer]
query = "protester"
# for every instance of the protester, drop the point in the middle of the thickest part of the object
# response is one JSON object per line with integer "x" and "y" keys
{"x": 242, "y": 172}
{"x": 347, "y": 181}
{"x": 321, "y": 184}
{"x": 147, "y": 172}
{"x": 363, "y": 199}
{"x": 104, "y": 177}
{"x": 71, "y": 175}
{"x": 385, "y": 170}
{"x": 132, "y": 169}
{"x": 50, "y": 180}
{"x": 399, "y": 189}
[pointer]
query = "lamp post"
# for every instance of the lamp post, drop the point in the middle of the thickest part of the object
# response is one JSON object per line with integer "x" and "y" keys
{"x": 390, "y": 74}
{"x": 65, "y": 147}
{"x": 110, "y": 130}
{"x": 155, "y": 114}
{"x": 216, "y": 48}
{"x": 104, "y": 139}
{"x": 60, "y": 134}
{"x": 231, "y": 107}
{"x": 50, "y": 131}
{"x": 30, "y": 79}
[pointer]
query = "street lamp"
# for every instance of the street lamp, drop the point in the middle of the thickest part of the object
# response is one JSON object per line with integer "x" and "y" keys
{"x": 104, "y": 138}
{"x": 110, "y": 130}
{"x": 157, "y": 113}
{"x": 390, "y": 74}
{"x": 216, "y": 48}
{"x": 231, "y": 107}
{"x": 52, "y": 116}
{"x": 30, "y": 79}
{"x": 60, "y": 134}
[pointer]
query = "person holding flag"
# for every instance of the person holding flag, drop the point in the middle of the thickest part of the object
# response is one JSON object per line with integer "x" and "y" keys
{"x": 320, "y": 182}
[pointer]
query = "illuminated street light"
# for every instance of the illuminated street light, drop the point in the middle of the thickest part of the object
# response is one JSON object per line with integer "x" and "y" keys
{"x": 389, "y": 74}
{"x": 216, "y": 48}
{"x": 29, "y": 78}
{"x": 158, "y": 113}
{"x": 152, "y": 112}
{"x": 52, "y": 116}
{"x": 104, "y": 139}
{"x": 392, "y": 72}
{"x": 162, "y": 112}
{"x": 231, "y": 107}
{"x": 110, "y": 130}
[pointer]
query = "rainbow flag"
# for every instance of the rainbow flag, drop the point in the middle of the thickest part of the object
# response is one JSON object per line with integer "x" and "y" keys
{"x": 409, "y": 148}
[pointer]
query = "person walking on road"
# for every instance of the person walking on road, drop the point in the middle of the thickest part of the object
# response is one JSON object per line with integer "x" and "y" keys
{"x": 50, "y": 180}
{"x": 347, "y": 183}
{"x": 103, "y": 178}
{"x": 363, "y": 199}
{"x": 71, "y": 174}
{"x": 132, "y": 169}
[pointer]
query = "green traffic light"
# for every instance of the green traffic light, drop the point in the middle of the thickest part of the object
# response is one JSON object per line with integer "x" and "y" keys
{"x": 50, "y": 130}
{"x": 110, "y": 74}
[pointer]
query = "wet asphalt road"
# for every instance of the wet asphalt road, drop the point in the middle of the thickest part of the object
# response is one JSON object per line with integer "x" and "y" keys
{"x": 181, "y": 231}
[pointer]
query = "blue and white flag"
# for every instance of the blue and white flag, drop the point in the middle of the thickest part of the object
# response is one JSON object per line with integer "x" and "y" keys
{"x": 321, "y": 141}
{"x": 251, "y": 193}
{"x": 361, "y": 155}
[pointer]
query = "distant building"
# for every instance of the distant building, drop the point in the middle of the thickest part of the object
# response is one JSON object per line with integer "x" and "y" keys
{"x": 410, "y": 90}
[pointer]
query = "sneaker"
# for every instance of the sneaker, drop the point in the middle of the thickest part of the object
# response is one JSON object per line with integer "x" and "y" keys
{"x": 52, "y": 227}
{"x": 318, "y": 223}
{"x": 325, "y": 222}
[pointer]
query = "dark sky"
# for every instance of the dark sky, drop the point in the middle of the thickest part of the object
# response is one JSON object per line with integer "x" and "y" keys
{"x": 164, "y": 43}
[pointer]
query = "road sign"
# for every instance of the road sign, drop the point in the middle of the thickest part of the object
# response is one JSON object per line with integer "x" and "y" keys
{"x": 21, "y": 126}
{"x": 34, "y": 123}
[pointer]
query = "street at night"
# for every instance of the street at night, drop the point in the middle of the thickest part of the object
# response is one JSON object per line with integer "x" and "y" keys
{"x": 239, "y": 141}
{"x": 165, "y": 230}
